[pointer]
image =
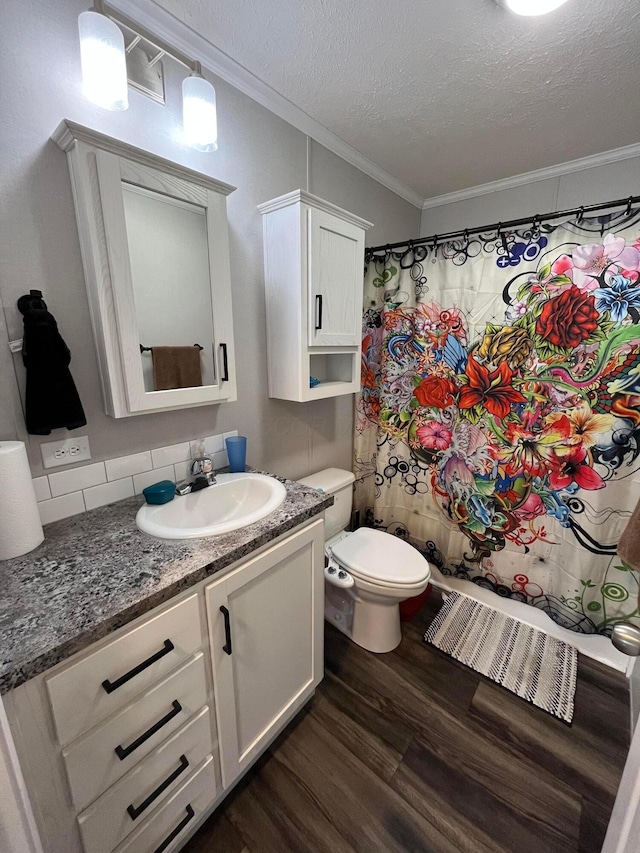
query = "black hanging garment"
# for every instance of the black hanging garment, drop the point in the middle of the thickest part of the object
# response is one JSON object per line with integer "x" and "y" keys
{"x": 52, "y": 401}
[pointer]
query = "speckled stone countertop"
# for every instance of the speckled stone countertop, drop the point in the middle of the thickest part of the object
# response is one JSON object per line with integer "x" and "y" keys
{"x": 96, "y": 572}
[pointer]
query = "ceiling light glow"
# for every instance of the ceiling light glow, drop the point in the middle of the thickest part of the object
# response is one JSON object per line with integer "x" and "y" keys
{"x": 531, "y": 7}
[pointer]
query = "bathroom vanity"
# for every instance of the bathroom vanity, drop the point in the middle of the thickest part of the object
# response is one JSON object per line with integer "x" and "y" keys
{"x": 141, "y": 678}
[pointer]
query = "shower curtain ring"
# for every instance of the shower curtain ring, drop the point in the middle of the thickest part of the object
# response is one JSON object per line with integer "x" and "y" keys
{"x": 629, "y": 203}
{"x": 580, "y": 215}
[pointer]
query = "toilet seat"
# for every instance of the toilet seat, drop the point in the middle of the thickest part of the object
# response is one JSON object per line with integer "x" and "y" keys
{"x": 381, "y": 558}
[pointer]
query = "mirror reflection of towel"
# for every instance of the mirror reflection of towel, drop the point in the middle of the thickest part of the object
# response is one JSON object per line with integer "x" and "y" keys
{"x": 176, "y": 367}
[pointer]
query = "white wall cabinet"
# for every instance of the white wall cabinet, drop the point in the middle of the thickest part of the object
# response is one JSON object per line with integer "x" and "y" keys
{"x": 198, "y": 689}
{"x": 149, "y": 229}
{"x": 265, "y": 626}
{"x": 314, "y": 269}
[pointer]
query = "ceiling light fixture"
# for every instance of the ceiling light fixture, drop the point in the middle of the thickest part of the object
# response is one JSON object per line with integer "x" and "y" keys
{"x": 106, "y": 72}
{"x": 531, "y": 7}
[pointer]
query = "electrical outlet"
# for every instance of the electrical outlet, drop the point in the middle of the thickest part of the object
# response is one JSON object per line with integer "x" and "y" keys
{"x": 65, "y": 452}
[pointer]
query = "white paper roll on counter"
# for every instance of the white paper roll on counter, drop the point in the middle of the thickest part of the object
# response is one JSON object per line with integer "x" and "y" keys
{"x": 20, "y": 526}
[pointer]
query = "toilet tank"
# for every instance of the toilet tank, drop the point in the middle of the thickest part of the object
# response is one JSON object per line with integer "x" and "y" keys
{"x": 339, "y": 483}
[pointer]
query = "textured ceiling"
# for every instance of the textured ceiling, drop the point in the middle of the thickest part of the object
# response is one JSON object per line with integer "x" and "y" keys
{"x": 443, "y": 94}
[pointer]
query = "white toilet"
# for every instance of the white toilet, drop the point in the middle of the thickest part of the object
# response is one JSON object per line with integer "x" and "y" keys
{"x": 369, "y": 572}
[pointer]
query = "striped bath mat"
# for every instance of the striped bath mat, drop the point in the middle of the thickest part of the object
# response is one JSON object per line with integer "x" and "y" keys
{"x": 526, "y": 661}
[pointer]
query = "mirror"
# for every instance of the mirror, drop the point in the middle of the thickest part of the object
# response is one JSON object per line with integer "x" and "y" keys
{"x": 168, "y": 252}
{"x": 155, "y": 250}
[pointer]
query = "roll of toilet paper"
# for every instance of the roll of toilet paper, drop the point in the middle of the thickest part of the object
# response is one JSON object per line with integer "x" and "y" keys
{"x": 20, "y": 526}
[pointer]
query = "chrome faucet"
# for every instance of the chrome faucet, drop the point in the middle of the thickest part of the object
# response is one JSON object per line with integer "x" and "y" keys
{"x": 201, "y": 475}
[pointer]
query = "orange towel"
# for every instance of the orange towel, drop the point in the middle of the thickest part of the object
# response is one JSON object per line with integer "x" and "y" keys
{"x": 176, "y": 367}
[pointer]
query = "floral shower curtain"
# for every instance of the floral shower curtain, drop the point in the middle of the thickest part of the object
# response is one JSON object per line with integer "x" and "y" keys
{"x": 498, "y": 427}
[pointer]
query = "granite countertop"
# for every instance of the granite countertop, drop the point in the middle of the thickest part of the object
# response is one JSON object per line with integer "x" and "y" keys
{"x": 96, "y": 572}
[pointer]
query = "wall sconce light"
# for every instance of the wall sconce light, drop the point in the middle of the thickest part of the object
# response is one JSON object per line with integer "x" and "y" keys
{"x": 531, "y": 7}
{"x": 102, "y": 56}
{"x": 199, "y": 118}
{"x": 116, "y": 53}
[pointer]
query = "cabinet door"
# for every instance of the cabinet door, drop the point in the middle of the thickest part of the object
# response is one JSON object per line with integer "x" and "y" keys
{"x": 267, "y": 648}
{"x": 336, "y": 274}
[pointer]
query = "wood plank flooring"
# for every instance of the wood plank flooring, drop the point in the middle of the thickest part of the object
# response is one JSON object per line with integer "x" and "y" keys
{"x": 411, "y": 751}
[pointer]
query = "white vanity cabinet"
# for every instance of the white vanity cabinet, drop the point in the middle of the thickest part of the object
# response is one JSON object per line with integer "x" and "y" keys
{"x": 131, "y": 743}
{"x": 314, "y": 270}
{"x": 265, "y": 625}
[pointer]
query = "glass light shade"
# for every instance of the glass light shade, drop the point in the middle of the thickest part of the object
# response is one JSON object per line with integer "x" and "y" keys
{"x": 199, "y": 117}
{"x": 531, "y": 7}
{"x": 103, "y": 60}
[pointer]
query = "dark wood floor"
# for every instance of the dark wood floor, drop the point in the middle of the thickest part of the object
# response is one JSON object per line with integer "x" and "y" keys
{"x": 411, "y": 751}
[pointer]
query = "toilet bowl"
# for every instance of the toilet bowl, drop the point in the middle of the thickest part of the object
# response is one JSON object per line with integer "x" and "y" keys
{"x": 368, "y": 572}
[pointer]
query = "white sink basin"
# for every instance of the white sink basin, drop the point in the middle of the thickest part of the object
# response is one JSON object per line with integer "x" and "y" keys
{"x": 235, "y": 501}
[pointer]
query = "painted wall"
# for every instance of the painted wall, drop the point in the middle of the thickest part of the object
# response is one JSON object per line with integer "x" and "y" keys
{"x": 589, "y": 186}
{"x": 258, "y": 153}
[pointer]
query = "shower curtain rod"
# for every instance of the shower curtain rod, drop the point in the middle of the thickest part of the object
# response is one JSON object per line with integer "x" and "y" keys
{"x": 499, "y": 227}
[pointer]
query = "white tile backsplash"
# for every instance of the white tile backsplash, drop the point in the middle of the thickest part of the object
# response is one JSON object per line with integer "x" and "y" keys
{"x": 62, "y": 507}
{"x": 180, "y": 471}
{"x": 141, "y": 481}
{"x": 127, "y": 466}
{"x": 170, "y": 455}
{"x": 108, "y": 493}
{"x": 41, "y": 488}
{"x": 220, "y": 460}
{"x": 212, "y": 444}
{"x": 65, "y": 482}
{"x": 66, "y": 493}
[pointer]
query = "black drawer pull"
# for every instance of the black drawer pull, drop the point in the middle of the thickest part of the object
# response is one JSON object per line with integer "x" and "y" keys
{"x": 135, "y": 811}
{"x": 175, "y": 832}
{"x": 225, "y": 363}
{"x": 123, "y": 751}
{"x": 227, "y": 630}
{"x": 318, "y": 312}
{"x": 110, "y": 686}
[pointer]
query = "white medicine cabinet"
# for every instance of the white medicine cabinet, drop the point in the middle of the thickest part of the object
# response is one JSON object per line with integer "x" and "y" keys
{"x": 155, "y": 251}
{"x": 314, "y": 271}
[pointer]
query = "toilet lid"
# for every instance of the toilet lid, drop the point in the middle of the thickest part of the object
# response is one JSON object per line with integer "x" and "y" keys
{"x": 380, "y": 556}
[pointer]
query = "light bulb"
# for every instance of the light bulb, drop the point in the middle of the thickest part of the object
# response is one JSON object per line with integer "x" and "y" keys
{"x": 103, "y": 60}
{"x": 199, "y": 117}
{"x": 531, "y": 7}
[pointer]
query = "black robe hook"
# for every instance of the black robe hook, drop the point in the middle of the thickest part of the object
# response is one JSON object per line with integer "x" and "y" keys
{"x": 31, "y": 300}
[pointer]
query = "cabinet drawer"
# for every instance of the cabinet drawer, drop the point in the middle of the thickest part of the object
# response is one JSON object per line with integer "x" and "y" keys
{"x": 101, "y": 683}
{"x": 128, "y": 803}
{"x": 166, "y": 829}
{"x": 103, "y": 755}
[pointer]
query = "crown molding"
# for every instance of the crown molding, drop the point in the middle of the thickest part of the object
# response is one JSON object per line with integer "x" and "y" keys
{"x": 602, "y": 159}
{"x": 164, "y": 25}
{"x": 69, "y": 132}
{"x": 300, "y": 196}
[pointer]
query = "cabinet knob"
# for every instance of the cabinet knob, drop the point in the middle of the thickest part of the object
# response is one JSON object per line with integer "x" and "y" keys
{"x": 318, "y": 312}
